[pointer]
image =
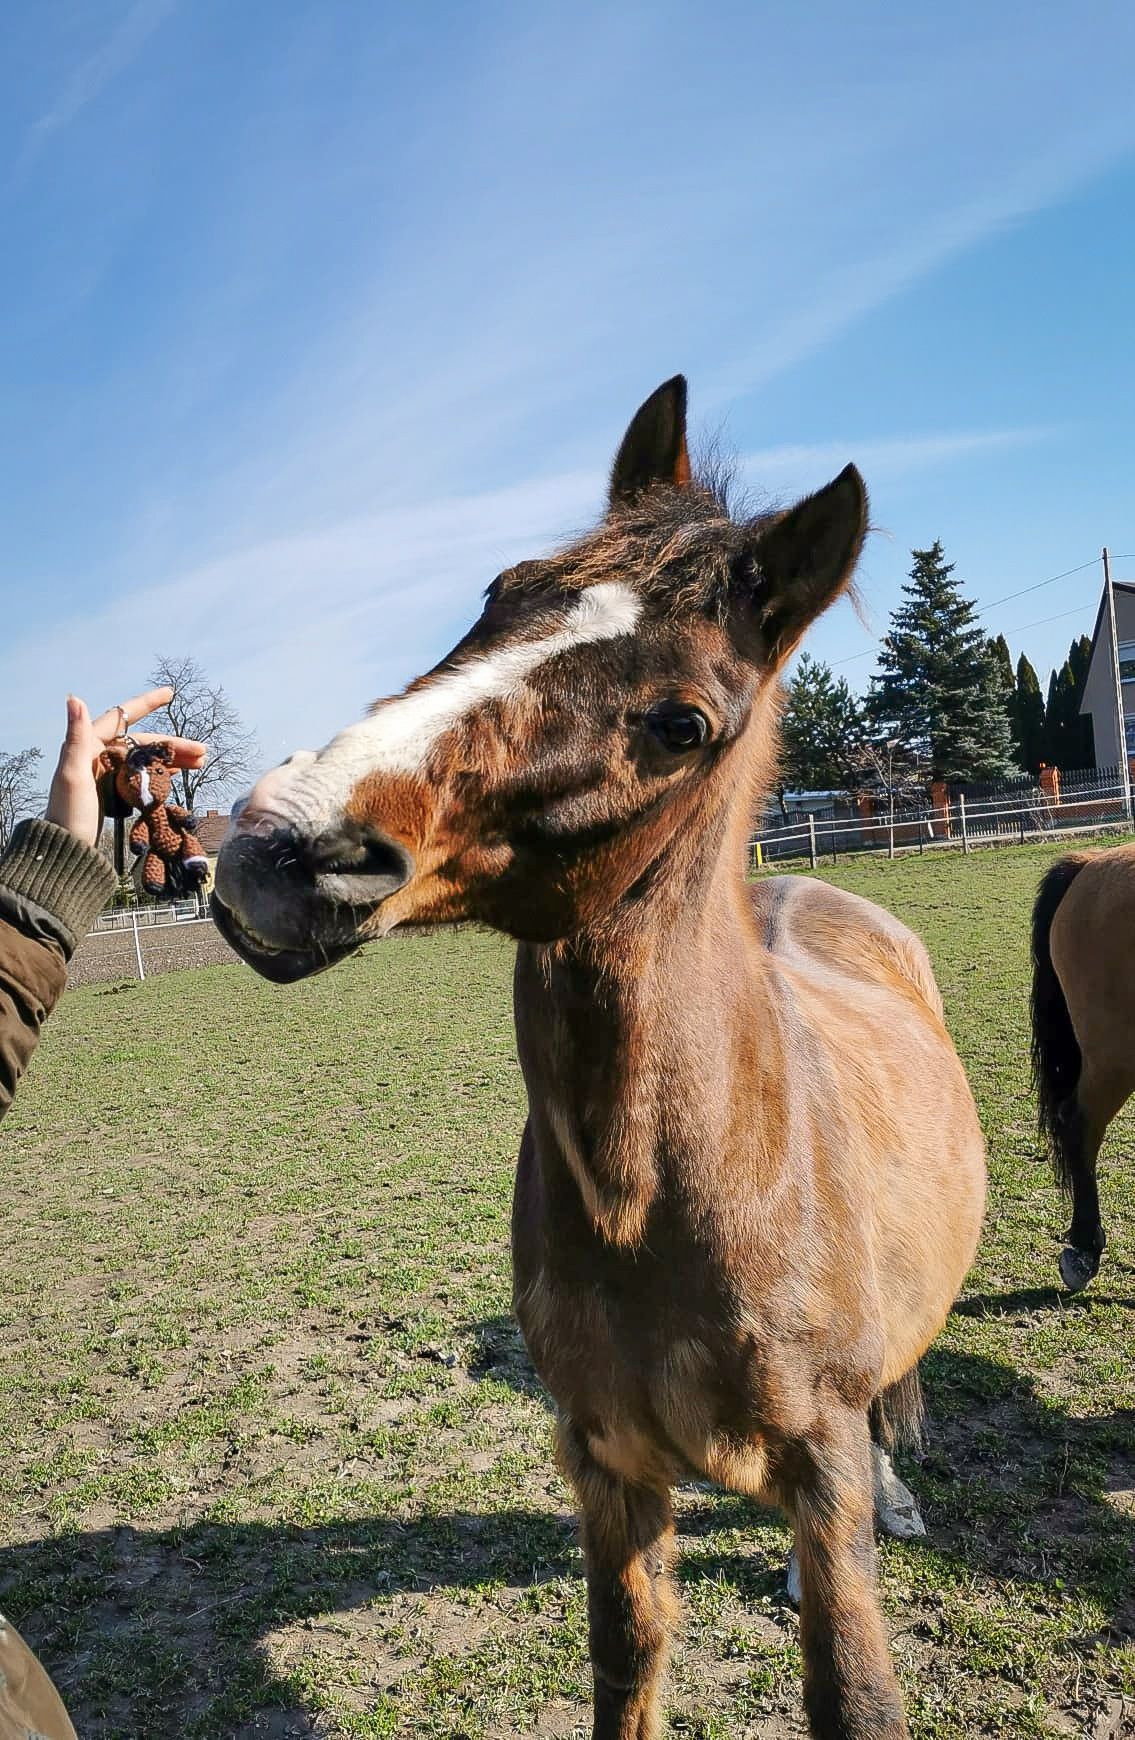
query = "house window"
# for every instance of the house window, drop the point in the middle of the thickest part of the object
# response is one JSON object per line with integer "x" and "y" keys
{"x": 1127, "y": 660}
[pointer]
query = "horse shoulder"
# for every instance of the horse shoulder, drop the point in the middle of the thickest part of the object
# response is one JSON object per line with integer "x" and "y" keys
{"x": 802, "y": 917}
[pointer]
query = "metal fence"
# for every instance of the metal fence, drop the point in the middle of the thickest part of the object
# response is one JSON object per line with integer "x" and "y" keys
{"x": 148, "y": 916}
{"x": 145, "y": 920}
{"x": 1087, "y": 801}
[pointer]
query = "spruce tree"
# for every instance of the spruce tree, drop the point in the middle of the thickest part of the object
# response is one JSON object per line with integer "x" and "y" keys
{"x": 938, "y": 689}
{"x": 1028, "y": 717}
{"x": 821, "y": 730}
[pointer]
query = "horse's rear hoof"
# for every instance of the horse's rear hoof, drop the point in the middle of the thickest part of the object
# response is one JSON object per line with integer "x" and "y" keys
{"x": 896, "y": 1508}
{"x": 1077, "y": 1267}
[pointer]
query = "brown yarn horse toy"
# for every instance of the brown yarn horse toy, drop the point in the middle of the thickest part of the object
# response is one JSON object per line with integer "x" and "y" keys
{"x": 171, "y": 859}
{"x": 752, "y": 1178}
{"x": 1083, "y": 1016}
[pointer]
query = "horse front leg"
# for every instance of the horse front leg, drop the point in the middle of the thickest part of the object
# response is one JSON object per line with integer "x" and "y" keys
{"x": 850, "y": 1690}
{"x": 628, "y": 1544}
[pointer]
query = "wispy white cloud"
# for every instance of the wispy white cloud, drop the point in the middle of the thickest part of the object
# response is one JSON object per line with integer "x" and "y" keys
{"x": 305, "y": 631}
{"x": 849, "y": 292}
{"x": 88, "y": 80}
{"x": 808, "y": 464}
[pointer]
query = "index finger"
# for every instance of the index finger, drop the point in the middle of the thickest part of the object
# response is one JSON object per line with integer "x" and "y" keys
{"x": 187, "y": 752}
{"x": 108, "y": 725}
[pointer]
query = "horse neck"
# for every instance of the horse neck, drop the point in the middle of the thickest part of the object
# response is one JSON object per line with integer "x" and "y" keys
{"x": 638, "y": 1038}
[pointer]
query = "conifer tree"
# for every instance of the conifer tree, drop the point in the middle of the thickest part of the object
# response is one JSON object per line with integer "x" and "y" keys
{"x": 1054, "y": 718}
{"x": 1082, "y": 737}
{"x": 939, "y": 689}
{"x": 1028, "y": 717}
{"x": 821, "y": 731}
{"x": 1003, "y": 659}
{"x": 1068, "y": 738}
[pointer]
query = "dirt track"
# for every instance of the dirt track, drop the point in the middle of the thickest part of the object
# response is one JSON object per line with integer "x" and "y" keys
{"x": 166, "y": 948}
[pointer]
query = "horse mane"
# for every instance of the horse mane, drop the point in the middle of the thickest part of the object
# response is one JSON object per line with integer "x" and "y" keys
{"x": 679, "y": 546}
{"x": 146, "y": 754}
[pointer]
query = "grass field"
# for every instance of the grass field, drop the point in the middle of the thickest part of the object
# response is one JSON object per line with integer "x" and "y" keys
{"x": 274, "y": 1462}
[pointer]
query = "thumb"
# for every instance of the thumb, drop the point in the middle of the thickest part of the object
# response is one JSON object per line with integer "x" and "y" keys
{"x": 75, "y": 753}
{"x": 78, "y": 721}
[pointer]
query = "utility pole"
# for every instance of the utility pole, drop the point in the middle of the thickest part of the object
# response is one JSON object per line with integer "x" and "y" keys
{"x": 1121, "y": 722}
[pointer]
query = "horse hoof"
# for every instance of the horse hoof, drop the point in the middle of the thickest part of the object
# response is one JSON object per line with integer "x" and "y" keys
{"x": 792, "y": 1581}
{"x": 896, "y": 1508}
{"x": 1077, "y": 1268}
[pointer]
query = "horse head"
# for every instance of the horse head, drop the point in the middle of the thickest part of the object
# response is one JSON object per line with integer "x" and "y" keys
{"x": 614, "y": 704}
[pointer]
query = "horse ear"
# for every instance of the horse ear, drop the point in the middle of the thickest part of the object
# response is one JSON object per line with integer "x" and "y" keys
{"x": 803, "y": 561}
{"x": 654, "y": 447}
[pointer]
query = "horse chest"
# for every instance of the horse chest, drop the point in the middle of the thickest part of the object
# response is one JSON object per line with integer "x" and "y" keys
{"x": 683, "y": 1376}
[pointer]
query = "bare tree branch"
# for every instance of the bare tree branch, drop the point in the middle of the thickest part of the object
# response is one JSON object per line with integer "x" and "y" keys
{"x": 889, "y": 765}
{"x": 202, "y": 709}
{"x": 20, "y": 794}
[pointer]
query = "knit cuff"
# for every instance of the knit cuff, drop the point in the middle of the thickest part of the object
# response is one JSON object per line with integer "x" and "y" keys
{"x": 51, "y": 885}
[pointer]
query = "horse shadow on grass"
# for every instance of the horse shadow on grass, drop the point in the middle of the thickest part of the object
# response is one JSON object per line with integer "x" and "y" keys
{"x": 154, "y": 1633}
{"x": 1023, "y": 1301}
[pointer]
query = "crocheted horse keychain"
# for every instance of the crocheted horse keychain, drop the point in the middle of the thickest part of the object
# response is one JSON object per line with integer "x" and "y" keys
{"x": 139, "y": 776}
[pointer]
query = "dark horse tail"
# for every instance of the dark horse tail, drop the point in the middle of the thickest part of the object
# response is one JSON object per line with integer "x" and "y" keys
{"x": 1056, "y": 1058}
{"x": 898, "y": 1414}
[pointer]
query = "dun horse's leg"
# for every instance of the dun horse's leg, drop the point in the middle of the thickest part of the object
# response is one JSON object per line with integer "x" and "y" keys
{"x": 1085, "y": 1239}
{"x": 628, "y": 1538}
{"x": 1082, "y": 1131}
{"x": 850, "y": 1690}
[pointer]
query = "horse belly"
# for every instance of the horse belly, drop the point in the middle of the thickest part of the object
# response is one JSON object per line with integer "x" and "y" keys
{"x": 897, "y": 1142}
{"x": 928, "y": 1209}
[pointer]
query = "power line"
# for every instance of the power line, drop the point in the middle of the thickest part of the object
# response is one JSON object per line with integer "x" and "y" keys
{"x": 1051, "y": 581}
{"x": 1024, "y": 627}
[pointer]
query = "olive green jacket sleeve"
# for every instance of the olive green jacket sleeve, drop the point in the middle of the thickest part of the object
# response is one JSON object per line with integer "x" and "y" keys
{"x": 51, "y": 887}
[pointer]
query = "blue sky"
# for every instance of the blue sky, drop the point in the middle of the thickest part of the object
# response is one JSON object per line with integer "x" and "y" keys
{"x": 313, "y": 316}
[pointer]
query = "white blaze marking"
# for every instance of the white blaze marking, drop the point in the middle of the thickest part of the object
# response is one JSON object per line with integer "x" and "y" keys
{"x": 144, "y": 787}
{"x": 398, "y": 736}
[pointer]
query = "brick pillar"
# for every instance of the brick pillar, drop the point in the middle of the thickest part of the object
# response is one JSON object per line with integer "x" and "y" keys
{"x": 940, "y": 806}
{"x": 1049, "y": 780}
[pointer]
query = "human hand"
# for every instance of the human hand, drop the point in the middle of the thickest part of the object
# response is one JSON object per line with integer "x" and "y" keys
{"x": 73, "y": 801}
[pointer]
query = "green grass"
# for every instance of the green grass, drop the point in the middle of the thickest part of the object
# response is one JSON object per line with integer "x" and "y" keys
{"x": 275, "y": 1463}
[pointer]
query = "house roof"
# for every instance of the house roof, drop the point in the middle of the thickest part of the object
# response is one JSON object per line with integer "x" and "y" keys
{"x": 1117, "y": 586}
{"x": 211, "y": 830}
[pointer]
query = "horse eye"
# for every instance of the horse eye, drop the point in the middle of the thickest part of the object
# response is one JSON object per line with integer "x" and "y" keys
{"x": 678, "y": 728}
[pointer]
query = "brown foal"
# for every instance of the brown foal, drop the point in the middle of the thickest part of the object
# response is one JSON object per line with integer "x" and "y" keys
{"x": 752, "y": 1178}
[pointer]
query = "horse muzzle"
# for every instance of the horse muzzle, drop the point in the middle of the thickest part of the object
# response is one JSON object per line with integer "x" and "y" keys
{"x": 290, "y": 906}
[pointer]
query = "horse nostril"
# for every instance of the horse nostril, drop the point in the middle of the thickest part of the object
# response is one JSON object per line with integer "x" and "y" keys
{"x": 359, "y": 867}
